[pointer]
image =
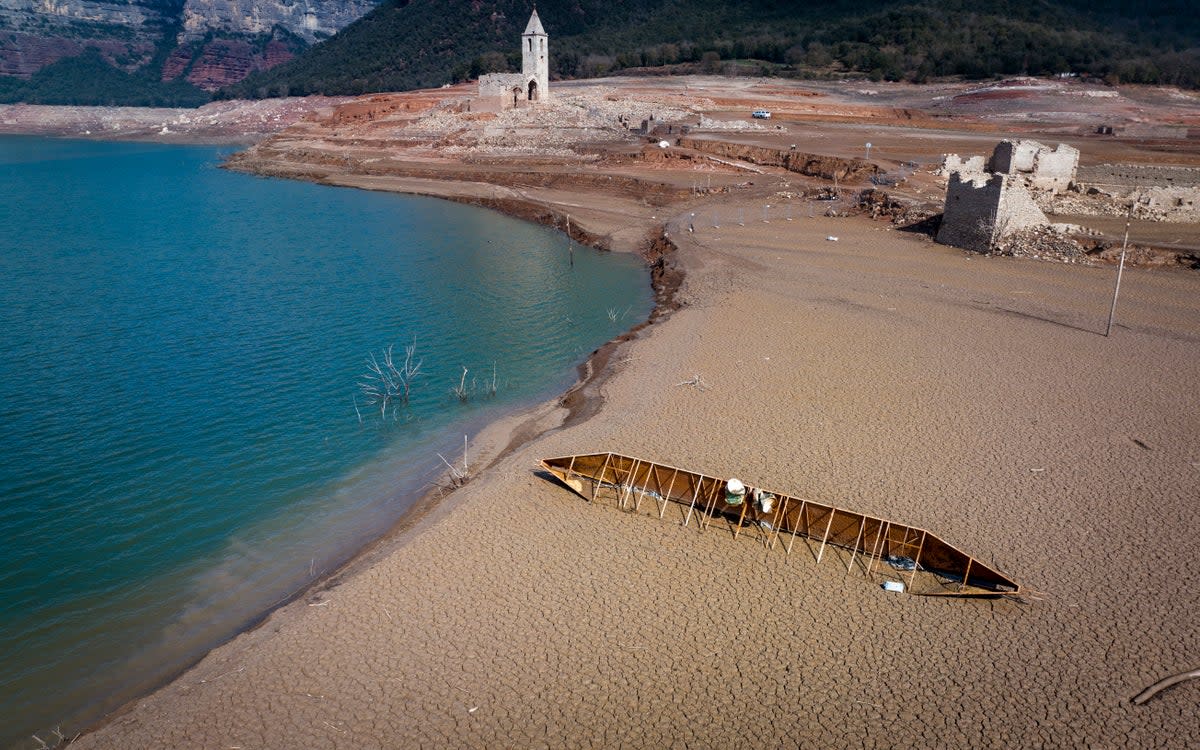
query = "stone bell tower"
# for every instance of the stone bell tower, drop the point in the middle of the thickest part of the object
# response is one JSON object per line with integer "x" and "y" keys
{"x": 535, "y": 61}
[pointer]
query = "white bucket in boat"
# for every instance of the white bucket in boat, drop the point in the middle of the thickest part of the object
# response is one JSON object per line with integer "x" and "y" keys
{"x": 735, "y": 492}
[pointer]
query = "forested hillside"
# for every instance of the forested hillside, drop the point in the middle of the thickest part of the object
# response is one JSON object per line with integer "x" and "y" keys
{"x": 175, "y": 52}
{"x": 407, "y": 44}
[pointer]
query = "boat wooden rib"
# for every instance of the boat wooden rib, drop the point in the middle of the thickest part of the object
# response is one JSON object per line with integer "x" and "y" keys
{"x": 888, "y": 552}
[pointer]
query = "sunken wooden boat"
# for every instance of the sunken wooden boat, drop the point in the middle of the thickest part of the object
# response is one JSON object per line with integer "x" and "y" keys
{"x": 898, "y": 556}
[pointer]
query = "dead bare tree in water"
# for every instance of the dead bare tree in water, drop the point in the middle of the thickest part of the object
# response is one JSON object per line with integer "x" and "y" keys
{"x": 461, "y": 390}
{"x": 386, "y": 384}
{"x": 458, "y": 477}
{"x": 465, "y": 390}
{"x": 59, "y": 740}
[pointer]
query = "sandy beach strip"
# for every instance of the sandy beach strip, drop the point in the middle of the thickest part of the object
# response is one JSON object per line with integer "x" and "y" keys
{"x": 972, "y": 396}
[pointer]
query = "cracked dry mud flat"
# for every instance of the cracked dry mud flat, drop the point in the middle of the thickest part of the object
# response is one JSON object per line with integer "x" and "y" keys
{"x": 975, "y": 397}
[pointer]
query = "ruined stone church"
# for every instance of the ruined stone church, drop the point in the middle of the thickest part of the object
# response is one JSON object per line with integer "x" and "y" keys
{"x": 499, "y": 91}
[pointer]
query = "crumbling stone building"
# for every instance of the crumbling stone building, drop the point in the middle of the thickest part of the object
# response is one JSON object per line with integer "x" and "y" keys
{"x": 500, "y": 91}
{"x": 1042, "y": 167}
{"x": 987, "y": 202}
{"x": 983, "y": 209}
{"x": 952, "y": 163}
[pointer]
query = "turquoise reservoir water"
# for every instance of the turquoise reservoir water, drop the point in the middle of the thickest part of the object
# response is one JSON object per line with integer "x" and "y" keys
{"x": 178, "y": 364}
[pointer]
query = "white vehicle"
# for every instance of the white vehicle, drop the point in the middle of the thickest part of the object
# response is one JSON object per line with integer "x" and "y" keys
{"x": 761, "y": 114}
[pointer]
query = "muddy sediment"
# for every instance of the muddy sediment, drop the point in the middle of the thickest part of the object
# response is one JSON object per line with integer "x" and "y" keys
{"x": 831, "y": 358}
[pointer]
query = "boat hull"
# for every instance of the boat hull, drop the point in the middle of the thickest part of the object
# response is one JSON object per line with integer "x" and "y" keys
{"x": 901, "y": 556}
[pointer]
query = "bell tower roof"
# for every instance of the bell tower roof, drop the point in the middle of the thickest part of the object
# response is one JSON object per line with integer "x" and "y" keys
{"x": 534, "y": 28}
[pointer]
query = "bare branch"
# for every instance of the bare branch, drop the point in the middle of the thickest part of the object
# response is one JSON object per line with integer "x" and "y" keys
{"x": 461, "y": 390}
{"x": 387, "y": 386}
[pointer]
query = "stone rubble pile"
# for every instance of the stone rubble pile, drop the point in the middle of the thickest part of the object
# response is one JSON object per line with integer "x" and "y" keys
{"x": 707, "y": 123}
{"x": 1042, "y": 243}
{"x": 555, "y": 127}
{"x": 552, "y": 128}
{"x": 1167, "y": 204}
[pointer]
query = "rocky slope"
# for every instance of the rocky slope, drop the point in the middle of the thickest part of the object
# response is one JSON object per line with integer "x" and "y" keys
{"x": 208, "y": 43}
{"x": 312, "y": 21}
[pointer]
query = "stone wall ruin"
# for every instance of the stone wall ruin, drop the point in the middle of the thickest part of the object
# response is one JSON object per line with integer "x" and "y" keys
{"x": 981, "y": 210}
{"x": 1042, "y": 167}
{"x": 952, "y": 163}
{"x": 501, "y": 91}
{"x": 988, "y": 201}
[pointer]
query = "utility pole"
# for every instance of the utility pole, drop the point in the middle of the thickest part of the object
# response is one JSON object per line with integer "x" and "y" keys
{"x": 1120, "y": 269}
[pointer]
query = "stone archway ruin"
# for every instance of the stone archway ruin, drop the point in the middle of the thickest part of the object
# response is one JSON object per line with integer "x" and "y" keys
{"x": 533, "y": 91}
